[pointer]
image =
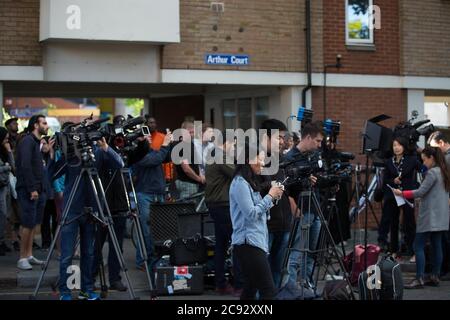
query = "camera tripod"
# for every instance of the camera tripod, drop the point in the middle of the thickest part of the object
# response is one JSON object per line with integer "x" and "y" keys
{"x": 304, "y": 243}
{"x": 133, "y": 214}
{"x": 323, "y": 257}
{"x": 359, "y": 195}
{"x": 104, "y": 220}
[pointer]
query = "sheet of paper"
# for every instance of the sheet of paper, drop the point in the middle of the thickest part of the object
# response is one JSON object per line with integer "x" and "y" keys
{"x": 399, "y": 199}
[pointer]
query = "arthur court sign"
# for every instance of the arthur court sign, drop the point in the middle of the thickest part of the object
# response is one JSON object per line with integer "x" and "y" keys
{"x": 227, "y": 59}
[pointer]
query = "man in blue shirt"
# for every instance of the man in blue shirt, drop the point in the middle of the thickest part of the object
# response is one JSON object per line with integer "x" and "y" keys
{"x": 78, "y": 220}
{"x": 150, "y": 188}
{"x": 31, "y": 188}
{"x": 302, "y": 155}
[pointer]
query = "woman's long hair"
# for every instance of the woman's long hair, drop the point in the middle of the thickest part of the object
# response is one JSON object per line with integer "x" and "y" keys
{"x": 439, "y": 158}
{"x": 244, "y": 170}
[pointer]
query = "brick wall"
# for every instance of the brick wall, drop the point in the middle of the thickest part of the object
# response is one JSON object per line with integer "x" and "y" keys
{"x": 386, "y": 57}
{"x": 270, "y": 31}
{"x": 425, "y": 26}
{"x": 19, "y": 33}
{"x": 353, "y": 106}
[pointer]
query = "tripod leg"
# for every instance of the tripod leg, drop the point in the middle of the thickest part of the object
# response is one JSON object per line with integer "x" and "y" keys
{"x": 140, "y": 235}
{"x": 328, "y": 232}
{"x": 100, "y": 241}
{"x": 57, "y": 235}
{"x": 285, "y": 271}
{"x": 374, "y": 215}
{"x": 97, "y": 186}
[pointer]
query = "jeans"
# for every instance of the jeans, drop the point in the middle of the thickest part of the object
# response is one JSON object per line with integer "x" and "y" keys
{"x": 223, "y": 230}
{"x": 436, "y": 251}
{"x": 144, "y": 203}
{"x": 69, "y": 233}
{"x": 308, "y": 227}
{"x": 113, "y": 261}
{"x": 186, "y": 189}
{"x": 278, "y": 242}
{"x": 256, "y": 273}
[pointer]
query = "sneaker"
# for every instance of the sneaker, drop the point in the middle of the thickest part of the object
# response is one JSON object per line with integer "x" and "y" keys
{"x": 90, "y": 295}
{"x": 65, "y": 297}
{"x": 35, "y": 261}
{"x": 118, "y": 285}
{"x": 24, "y": 264}
{"x": 432, "y": 281}
{"x": 415, "y": 284}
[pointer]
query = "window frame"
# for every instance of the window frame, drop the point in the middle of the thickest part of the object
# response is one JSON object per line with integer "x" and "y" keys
{"x": 236, "y": 109}
{"x": 371, "y": 40}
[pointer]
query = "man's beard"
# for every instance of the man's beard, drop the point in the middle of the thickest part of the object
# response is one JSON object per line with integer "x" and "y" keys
{"x": 43, "y": 132}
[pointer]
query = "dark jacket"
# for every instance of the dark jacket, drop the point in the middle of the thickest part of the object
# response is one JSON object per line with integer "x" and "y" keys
{"x": 29, "y": 164}
{"x": 84, "y": 196}
{"x": 149, "y": 174}
{"x": 408, "y": 168}
{"x": 296, "y": 187}
{"x": 115, "y": 191}
{"x": 218, "y": 181}
{"x": 280, "y": 214}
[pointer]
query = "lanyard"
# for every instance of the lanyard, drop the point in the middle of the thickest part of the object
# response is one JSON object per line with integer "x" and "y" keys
{"x": 398, "y": 166}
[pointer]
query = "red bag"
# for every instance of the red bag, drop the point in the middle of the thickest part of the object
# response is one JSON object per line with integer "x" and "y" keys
{"x": 355, "y": 261}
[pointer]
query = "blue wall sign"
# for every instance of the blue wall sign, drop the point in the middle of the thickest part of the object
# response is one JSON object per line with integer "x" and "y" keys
{"x": 227, "y": 59}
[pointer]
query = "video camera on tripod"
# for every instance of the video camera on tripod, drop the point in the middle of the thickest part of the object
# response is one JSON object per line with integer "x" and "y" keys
{"x": 77, "y": 140}
{"x": 123, "y": 135}
{"x": 337, "y": 166}
{"x": 413, "y": 131}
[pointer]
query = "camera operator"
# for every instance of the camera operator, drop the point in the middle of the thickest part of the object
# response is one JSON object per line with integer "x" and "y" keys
{"x": 30, "y": 188}
{"x": 302, "y": 155}
{"x": 150, "y": 188}
{"x": 249, "y": 214}
{"x": 400, "y": 172}
{"x": 117, "y": 201}
{"x": 280, "y": 221}
{"x": 78, "y": 220}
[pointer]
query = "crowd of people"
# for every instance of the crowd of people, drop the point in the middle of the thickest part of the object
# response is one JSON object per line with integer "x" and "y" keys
{"x": 251, "y": 212}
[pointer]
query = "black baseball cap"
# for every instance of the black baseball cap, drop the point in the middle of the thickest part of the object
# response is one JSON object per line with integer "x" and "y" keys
{"x": 7, "y": 123}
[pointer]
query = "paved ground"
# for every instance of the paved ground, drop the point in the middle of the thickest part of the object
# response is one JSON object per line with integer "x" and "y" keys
{"x": 18, "y": 285}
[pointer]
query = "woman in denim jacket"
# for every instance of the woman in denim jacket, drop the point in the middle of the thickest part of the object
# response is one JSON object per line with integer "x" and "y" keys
{"x": 249, "y": 215}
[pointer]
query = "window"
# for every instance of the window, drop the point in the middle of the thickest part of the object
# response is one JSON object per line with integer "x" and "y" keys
{"x": 229, "y": 113}
{"x": 245, "y": 113}
{"x": 262, "y": 111}
{"x": 359, "y": 21}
